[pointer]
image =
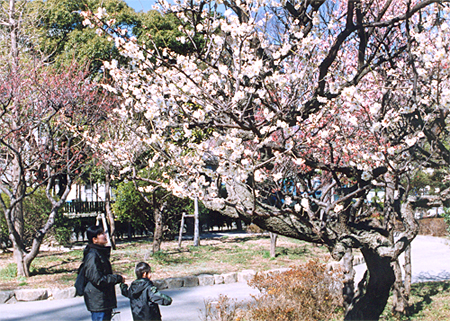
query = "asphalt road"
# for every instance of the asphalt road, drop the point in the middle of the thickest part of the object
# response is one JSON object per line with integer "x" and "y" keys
{"x": 186, "y": 305}
{"x": 430, "y": 260}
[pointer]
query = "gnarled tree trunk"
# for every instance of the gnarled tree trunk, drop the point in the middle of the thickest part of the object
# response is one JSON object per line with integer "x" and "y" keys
{"x": 348, "y": 289}
{"x": 402, "y": 288}
{"x": 373, "y": 290}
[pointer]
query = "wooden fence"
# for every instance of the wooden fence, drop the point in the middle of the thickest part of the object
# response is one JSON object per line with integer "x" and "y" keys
{"x": 83, "y": 209}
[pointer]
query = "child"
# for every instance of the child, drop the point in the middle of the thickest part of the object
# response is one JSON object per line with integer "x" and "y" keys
{"x": 144, "y": 296}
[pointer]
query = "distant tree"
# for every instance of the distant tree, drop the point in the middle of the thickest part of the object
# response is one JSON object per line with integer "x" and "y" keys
{"x": 61, "y": 36}
{"x": 156, "y": 210}
{"x": 162, "y": 31}
{"x": 131, "y": 207}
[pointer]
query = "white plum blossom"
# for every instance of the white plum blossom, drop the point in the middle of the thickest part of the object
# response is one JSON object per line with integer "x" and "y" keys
{"x": 366, "y": 176}
{"x": 215, "y": 86}
{"x": 288, "y": 200}
{"x": 223, "y": 69}
{"x": 410, "y": 141}
{"x": 259, "y": 176}
{"x": 277, "y": 176}
{"x": 101, "y": 12}
{"x": 305, "y": 203}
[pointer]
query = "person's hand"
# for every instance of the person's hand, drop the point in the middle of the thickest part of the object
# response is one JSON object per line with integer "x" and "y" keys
{"x": 123, "y": 279}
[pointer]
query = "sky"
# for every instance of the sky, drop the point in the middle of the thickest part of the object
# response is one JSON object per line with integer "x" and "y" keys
{"x": 141, "y": 5}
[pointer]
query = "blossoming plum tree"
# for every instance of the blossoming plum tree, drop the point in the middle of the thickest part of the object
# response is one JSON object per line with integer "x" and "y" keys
{"x": 291, "y": 112}
{"x": 44, "y": 115}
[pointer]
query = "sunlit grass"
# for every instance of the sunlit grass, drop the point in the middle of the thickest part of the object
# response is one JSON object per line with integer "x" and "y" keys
{"x": 430, "y": 301}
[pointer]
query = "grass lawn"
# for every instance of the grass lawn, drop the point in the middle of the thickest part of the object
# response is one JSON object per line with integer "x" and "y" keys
{"x": 430, "y": 301}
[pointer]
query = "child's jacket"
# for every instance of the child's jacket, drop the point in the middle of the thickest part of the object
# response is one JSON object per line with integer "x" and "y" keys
{"x": 144, "y": 299}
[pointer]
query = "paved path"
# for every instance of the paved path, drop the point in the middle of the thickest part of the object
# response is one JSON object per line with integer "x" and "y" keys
{"x": 430, "y": 259}
{"x": 186, "y": 305}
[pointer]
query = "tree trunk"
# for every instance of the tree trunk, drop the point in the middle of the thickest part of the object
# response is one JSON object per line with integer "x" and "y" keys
{"x": 273, "y": 244}
{"x": 196, "y": 224}
{"x": 109, "y": 214}
{"x": 348, "y": 289}
{"x": 399, "y": 300}
{"x": 401, "y": 290}
{"x": 19, "y": 256}
{"x": 129, "y": 230}
{"x": 18, "y": 221}
{"x": 239, "y": 224}
{"x": 180, "y": 235}
{"x": 19, "y": 251}
{"x": 13, "y": 25}
{"x": 408, "y": 271}
{"x": 158, "y": 217}
{"x": 373, "y": 290}
{"x": 157, "y": 235}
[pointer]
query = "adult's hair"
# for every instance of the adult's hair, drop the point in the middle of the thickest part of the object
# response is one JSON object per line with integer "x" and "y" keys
{"x": 142, "y": 268}
{"x": 93, "y": 231}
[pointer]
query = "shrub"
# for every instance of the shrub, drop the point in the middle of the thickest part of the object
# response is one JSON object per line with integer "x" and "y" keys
{"x": 446, "y": 218}
{"x": 224, "y": 309}
{"x": 36, "y": 208}
{"x": 253, "y": 228}
{"x": 306, "y": 292}
{"x": 435, "y": 226}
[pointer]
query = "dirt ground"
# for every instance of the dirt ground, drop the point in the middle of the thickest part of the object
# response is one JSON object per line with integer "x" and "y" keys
{"x": 57, "y": 269}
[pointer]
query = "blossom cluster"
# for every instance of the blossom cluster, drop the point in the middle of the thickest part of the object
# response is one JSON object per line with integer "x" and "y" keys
{"x": 246, "y": 99}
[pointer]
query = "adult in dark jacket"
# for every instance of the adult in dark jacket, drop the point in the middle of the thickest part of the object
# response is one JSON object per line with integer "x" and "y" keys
{"x": 99, "y": 293}
{"x": 144, "y": 295}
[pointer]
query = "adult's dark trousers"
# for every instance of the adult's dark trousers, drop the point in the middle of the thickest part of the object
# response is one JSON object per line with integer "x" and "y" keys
{"x": 102, "y": 316}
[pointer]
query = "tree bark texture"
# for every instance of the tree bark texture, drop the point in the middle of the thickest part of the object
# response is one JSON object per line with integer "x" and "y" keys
{"x": 157, "y": 235}
{"x": 348, "y": 289}
{"x": 402, "y": 287}
{"x": 13, "y": 23}
{"x": 196, "y": 224}
{"x": 408, "y": 271}
{"x": 399, "y": 299}
{"x": 273, "y": 244}
{"x": 109, "y": 213}
{"x": 158, "y": 217}
{"x": 373, "y": 290}
{"x": 180, "y": 235}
